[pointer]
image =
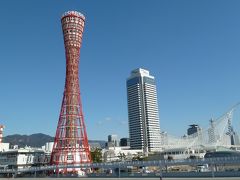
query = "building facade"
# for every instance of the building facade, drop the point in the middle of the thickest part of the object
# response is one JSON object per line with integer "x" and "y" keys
{"x": 113, "y": 140}
{"x": 111, "y": 154}
{"x": 124, "y": 142}
{"x": 193, "y": 130}
{"x": 143, "y": 116}
{"x": 19, "y": 158}
{"x": 23, "y": 158}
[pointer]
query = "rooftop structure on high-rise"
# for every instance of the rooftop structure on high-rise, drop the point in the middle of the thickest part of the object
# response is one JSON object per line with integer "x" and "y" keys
{"x": 143, "y": 116}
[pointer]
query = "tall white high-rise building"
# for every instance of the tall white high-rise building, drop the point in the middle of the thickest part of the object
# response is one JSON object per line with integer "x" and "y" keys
{"x": 143, "y": 116}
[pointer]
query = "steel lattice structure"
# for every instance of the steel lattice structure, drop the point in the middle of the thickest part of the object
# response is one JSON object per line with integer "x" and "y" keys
{"x": 218, "y": 134}
{"x": 71, "y": 143}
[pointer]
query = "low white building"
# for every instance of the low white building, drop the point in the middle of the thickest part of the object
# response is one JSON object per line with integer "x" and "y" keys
{"x": 120, "y": 153}
{"x": 24, "y": 157}
{"x": 4, "y": 147}
{"x": 48, "y": 147}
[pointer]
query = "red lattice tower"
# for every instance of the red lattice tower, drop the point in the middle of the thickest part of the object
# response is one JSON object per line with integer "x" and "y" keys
{"x": 71, "y": 143}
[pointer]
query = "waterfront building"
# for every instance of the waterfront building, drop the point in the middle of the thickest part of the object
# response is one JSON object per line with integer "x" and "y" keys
{"x": 48, "y": 146}
{"x": 193, "y": 129}
{"x": 143, "y": 116}
{"x": 113, "y": 141}
{"x": 23, "y": 158}
{"x": 4, "y": 147}
{"x": 124, "y": 142}
{"x": 111, "y": 154}
{"x": 164, "y": 138}
{"x": 235, "y": 139}
{"x": 18, "y": 158}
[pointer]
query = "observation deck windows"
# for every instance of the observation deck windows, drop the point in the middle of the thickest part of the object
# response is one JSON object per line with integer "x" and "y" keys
{"x": 70, "y": 157}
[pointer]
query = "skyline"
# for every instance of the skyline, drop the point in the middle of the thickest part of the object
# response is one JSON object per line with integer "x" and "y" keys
{"x": 191, "y": 48}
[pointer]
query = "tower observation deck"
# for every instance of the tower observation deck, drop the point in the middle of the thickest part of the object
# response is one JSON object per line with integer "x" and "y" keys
{"x": 71, "y": 143}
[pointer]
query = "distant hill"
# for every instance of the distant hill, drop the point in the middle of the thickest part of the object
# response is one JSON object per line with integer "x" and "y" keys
{"x": 36, "y": 140}
{"x": 101, "y": 142}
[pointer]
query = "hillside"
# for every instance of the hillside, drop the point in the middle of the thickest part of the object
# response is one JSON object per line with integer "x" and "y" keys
{"x": 36, "y": 140}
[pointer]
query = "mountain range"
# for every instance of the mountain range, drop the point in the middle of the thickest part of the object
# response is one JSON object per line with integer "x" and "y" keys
{"x": 37, "y": 140}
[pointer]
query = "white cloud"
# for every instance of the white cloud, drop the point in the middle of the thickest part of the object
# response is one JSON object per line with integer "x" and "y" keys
{"x": 123, "y": 123}
{"x": 99, "y": 123}
{"x": 108, "y": 119}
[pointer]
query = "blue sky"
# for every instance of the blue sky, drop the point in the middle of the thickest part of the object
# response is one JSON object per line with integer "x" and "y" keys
{"x": 190, "y": 46}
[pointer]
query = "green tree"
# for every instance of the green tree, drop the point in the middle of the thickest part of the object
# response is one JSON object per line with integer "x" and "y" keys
{"x": 96, "y": 155}
{"x": 139, "y": 157}
{"x": 122, "y": 156}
